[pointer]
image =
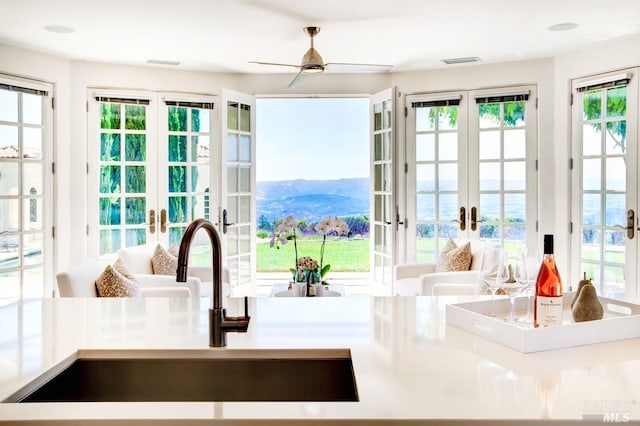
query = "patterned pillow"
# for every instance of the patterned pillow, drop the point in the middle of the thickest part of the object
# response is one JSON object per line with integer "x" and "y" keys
{"x": 112, "y": 283}
{"x": 453, "y": 258}
{"x": 163, "y": 262}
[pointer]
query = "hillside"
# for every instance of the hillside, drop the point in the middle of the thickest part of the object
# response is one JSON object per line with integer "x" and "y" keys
{"x": 312, "y": 200}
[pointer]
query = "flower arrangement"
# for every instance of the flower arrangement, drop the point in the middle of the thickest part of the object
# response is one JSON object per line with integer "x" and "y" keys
{"x": 307, "y": 266}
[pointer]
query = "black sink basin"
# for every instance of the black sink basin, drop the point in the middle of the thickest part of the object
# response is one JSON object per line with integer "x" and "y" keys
{"x": 194, "y": 378}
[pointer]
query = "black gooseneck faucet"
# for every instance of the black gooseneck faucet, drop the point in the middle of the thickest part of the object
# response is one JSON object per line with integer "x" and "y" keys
{"x": 219, "y": 323}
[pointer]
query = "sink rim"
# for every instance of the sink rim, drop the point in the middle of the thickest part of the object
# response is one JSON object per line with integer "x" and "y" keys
{"x": 176, "y": 353}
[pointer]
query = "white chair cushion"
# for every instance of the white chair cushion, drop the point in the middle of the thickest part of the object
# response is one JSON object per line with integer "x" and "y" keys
{"x": 79, "y": 280}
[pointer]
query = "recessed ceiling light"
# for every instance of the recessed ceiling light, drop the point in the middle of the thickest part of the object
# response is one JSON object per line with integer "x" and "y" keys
{"x": 565, "y": 26}
{"x": 60, "y": 29}
{"x": 464, "y": 60}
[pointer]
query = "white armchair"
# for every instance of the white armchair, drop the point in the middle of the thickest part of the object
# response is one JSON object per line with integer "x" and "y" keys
{"x": 418, "y": 279}
{"x": 138, "y": 260}
{"x": 80, "y": 281}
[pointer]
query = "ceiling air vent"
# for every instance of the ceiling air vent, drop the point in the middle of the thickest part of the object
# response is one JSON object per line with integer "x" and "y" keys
{"x": 162, "y": 62}
{"x": 466, "y": 60}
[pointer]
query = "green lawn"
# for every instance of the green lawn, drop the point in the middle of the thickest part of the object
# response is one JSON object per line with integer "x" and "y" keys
{"x": 343, "y": 255}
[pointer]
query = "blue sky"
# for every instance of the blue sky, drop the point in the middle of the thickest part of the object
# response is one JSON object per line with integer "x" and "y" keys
{"x": 312, "y": 138}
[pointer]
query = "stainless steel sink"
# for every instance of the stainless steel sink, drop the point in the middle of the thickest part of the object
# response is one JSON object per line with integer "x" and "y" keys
{"x": 196, "y": 375}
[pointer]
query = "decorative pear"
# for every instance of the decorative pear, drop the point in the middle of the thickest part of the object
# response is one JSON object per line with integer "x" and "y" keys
{"x": 587, "y": 306}
{"x": 584, "y": 281}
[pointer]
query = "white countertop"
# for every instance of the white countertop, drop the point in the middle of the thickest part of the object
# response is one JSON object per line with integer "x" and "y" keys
{"x": 409, "y": 365}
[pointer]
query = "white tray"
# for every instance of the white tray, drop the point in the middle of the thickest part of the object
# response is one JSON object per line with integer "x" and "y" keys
{"x": 621, "y": 321}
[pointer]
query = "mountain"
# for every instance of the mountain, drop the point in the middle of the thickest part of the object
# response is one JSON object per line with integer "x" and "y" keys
{"x": 312, "y": 200}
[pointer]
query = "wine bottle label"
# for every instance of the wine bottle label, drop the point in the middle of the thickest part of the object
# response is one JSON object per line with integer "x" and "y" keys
{"x": 548, "y": 311}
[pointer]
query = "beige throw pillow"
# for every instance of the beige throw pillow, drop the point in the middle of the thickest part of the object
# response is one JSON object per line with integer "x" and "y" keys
{"x": 454, "y": 258}
{"x": 112, "y": 283}
{"x": 163, "y": 262}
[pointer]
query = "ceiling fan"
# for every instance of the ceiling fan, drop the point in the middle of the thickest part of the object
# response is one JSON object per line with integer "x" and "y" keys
{"x": 312, "y": 62}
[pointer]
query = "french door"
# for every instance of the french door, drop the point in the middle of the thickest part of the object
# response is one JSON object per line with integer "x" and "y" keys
{"x": 26, "y": 188}
{"x": 605, "y": 182}
{"x": 238, "y": 189}
{"x": 384, "y": 216}
{"x": 149, "y": 168}
{"x": 471, "y": 169}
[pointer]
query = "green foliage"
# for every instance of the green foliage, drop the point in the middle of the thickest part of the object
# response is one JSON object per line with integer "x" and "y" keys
{"x": 262, "y": 233}
{"x": 616, "y": 106}
{"x": 264, "y": 224}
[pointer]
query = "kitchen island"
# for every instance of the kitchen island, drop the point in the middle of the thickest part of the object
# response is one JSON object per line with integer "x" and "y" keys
{"x": 409, "y": 365}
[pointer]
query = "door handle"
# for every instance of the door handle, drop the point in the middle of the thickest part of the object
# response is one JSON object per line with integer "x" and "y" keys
{"x": 462, "y": 221}
{"x": 631, "y": 222}
{"x": 163, "y": 221}
{"x": 152, "y": 221}
{"x": 225, "y": 224}
{"x": 474, "y": 219}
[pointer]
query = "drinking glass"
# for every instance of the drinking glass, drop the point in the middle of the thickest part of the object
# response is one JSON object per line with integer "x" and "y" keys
{"x": 488, "y": 271}
{"x": 512, "y": 278}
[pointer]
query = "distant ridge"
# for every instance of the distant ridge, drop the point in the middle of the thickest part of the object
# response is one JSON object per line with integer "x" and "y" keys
{"x": 311, "y": 200}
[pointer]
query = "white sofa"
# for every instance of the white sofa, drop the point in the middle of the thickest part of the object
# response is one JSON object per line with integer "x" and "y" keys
{"x": 80, "y": 281}
{"x": 138, "y": 260}
{"x": 418, "y": 279}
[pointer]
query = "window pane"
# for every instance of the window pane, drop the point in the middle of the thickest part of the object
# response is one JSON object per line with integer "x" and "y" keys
{"x": 425, "y": 207}
{"x": 490, "y": 207}
{"x": 425, "y": 147}
{"x": 232, "y": 179}
{"x": 135, "y": 237}
{"x": 135, "y": 179}
{"x": 177, "y": 148}
{"x": 9, "y": 209}
{"x": 617, "y": 101}
{"x": 9, "y": 173}
{"x": 109, "y": 179}
{"x": 135, "y": 208}
{"x": 515, "y": 175}
{"x": 245, "y": 118}
{"x": 514, "y": 114}
{"x": 135, "y": 117}
{"x": 245, "y": 148}
{"x": 490, "y": 145}
{"x": 591, "y": 139}
{"x": 177, "y": 179}
{"x": 592, "y": 105}
{"x": 616, "y": 174}
{"x": 448, "y": 207}
{"x": 448, "y": 177}
{"x": 425, "y": 177}
{"x": 8, "y": 106}
{"x": 109, "y": 241}
{"x": 232, "y": 147}
{"x": 425, "y": 119}
{"x": 9, "y": 141}
{"x": 591, "y": 175}
{"x": 515, "y": 143}
{"x": 447, "y": 146}
{"x": 177, "y": 117}
{"x": 32, "y": 179}
{"x": 31, "y": 108}
{"x": 244, "y": 179}
{"x": 616, "y": 137}
{"x": 110, "y": 116}
{"x": 109, "y": 147}
{"x": 489, "y": 176}
{"x": 32, "y": 211}
{"x": 514, "y": 207}
{"x": 591, "y": 209}
{"x": 232, "y": 115}
{"x": 615, "y": 210}
{"x": 200, "y": 120}
{"x": 448, "y": 118}
{"x": 591, "y": 240}
{"x": 489, "y": 115}
{"x": 177, "y": 209}
{"x": 109, "y": 211}
{"x": 244, "y": 212}
{"x": 32, "y": 143}
{"x": 135, "y": 147}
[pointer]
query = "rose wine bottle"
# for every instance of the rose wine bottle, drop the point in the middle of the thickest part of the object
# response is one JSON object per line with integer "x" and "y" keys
{"x": 548, "y": 300}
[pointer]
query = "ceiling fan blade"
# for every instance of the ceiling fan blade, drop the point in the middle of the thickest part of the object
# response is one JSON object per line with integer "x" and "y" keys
{"x": 274, "y": 63}
{"x": 352, "y": 67}
{"x": 296, "y": 79}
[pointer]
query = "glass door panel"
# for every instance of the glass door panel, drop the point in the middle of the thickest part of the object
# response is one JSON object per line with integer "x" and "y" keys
{"x": 503, "y": 183}
{"x": 607, "y": 181}
{"x": 437, "y": 175}
{"x": 126, "y": 189}
{"x": 25, "y": 190}
{"x": 238, "y": 224}
{"x": 383, "y": 221}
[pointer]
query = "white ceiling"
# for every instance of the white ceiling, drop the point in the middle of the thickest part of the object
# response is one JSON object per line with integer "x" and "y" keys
{"x": 224, "y": 35}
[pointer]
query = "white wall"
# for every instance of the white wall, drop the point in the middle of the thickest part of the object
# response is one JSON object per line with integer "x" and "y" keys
{"x": 551, "y": 75}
